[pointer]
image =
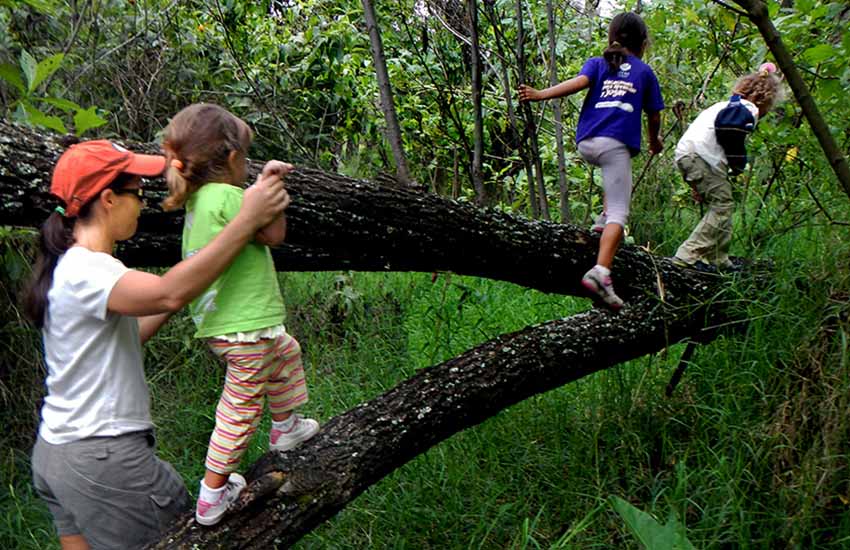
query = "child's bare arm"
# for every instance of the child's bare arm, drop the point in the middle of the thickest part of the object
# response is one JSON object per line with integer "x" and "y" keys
{"x": 655, "y": 144}
{"x": 567, "y": 87}
{"x": 274, "y": 233}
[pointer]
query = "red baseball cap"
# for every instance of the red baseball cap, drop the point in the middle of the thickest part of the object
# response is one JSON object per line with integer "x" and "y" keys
{"x": 87, "y": 168}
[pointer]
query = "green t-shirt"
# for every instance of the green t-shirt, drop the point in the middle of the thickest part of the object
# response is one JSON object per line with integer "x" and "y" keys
{"x": 246, "y": 296}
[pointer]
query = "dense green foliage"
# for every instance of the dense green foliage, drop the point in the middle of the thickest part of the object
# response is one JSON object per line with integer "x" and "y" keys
{"x": 752, "y": 447}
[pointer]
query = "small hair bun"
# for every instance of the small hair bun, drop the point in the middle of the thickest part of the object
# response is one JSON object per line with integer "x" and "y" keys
{"x": 767, "y": 68}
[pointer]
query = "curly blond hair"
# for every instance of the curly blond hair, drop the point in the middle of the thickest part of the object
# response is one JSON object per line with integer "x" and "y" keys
{"x": 763, "y": 89}
{"x": 197, "y": 143}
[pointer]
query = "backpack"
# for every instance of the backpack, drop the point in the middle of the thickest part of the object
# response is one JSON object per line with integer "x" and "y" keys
{"x": 732, "y": 125}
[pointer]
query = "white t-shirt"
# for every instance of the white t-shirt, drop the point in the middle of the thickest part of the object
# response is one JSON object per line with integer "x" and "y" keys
{"x": 95, "y": 374}
{"x": 700, "y": 140}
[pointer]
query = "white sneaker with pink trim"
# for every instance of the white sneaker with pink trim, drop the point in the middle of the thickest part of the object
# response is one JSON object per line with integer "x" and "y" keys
{"x": 302, "y": 430}
{"x": 210, "y": 513}
{"x": 599, "y": 283}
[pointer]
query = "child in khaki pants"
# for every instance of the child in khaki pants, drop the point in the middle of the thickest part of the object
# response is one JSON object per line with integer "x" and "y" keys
{"x": 704, "y": 164}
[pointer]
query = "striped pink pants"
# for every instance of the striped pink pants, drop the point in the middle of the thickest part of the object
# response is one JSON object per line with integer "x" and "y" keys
{"x": 271, "y": 368}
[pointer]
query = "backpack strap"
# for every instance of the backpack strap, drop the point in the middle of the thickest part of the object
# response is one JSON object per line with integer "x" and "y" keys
{"x": 732, "y": 125}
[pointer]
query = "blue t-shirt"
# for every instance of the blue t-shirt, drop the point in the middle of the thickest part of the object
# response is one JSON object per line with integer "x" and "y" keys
{"x": 615, "y": 100}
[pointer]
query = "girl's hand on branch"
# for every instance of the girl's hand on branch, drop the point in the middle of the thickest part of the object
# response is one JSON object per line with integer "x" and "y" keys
{"x": 276, "y": 168}
{"x": 527, "y": 93}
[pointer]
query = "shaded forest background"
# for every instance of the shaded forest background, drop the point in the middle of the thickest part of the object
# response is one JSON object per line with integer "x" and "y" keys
{"x": 750, "y": 449}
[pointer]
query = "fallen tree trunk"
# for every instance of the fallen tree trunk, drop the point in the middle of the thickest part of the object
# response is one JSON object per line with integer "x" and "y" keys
{"x": 291, "y": 493}
{"x": 339, "y": 223}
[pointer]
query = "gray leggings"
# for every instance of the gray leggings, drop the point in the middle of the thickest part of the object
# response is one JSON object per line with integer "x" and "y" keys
{"x": 616, "y": 163}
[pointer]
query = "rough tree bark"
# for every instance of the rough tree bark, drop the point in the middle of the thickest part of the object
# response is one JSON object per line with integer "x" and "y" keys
{"x": 340, "y": 223}
{"x": 336, "y": 222}
{"x": 289, "y": 494}
{"x": 756, "y": 10}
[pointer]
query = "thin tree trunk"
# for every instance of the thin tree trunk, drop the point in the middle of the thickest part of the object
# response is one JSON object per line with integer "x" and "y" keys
{"x": 393, "y": 131}
{"x": 478, "y": 130}
{"x": 530, "y": 129}
{"x": 522, "y": 150}
{"x": 758, "y": 14}
{"x": 556, "y": 110}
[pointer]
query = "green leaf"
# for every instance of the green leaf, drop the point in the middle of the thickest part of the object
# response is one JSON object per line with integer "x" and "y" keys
{"x": 64, "y": 104}
{"x": 819, "y": 54}
{"x": 47, "y": 121}
{"x": 86, "y": 119}
{"x": 12, "y": 75}
{"x": 45, "y": 68}
{"x": 28, "y": 65}
{"x": 649, "y": 532}
{"x": 804, "y": 6}
{"x": 44, "y": 6}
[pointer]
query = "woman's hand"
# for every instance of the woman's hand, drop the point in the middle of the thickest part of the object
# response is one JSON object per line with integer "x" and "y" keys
{"x": 527, "y": 93}
{"x": 695, "y": 195}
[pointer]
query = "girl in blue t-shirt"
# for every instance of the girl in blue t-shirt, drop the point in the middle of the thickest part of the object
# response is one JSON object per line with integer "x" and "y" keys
{"x": 619, "y": 86}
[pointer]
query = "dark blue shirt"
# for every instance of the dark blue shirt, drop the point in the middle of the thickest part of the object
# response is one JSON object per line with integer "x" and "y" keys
{"x": 615, "y": 100}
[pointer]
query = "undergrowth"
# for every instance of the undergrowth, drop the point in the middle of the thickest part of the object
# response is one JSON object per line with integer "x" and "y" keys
{"x": 750, "y": 450}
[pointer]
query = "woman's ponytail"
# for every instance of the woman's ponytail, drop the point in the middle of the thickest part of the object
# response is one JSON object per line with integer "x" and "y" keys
{"x": 55, "y": 238}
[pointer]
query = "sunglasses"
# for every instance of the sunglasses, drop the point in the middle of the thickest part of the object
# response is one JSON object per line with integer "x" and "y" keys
{"x": 135, "y": 191}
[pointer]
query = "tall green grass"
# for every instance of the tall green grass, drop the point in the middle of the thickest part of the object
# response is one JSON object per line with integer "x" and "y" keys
{"x": 750, "y": 451}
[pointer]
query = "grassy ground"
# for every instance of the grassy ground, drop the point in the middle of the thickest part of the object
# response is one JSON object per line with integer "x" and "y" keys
{"x": 751, "y": 451}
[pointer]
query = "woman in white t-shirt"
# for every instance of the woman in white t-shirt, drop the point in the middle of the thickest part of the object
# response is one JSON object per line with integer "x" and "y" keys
{"x": 94, "y": 461}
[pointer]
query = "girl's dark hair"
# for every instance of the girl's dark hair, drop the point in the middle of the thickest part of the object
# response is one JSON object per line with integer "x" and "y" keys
{"x": 627, "y": 31}
{"x": 55, "y": 238}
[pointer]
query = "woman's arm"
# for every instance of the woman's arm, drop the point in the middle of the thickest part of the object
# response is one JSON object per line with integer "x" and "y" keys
{"x": 141, "y": 294}
{"x": 565, "y": 88}
{"x": 150, "y": 324}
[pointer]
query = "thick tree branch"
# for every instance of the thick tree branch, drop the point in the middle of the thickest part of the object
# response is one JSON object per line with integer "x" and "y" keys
{"x": 289, "y": 494}
{"x": 337, "y": 222}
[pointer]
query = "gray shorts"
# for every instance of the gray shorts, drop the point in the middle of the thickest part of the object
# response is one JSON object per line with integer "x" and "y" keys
{"x": 113, "y": 491}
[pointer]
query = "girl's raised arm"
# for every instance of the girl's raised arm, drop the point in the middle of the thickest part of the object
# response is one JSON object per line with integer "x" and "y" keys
{"x": 565, "y": 88}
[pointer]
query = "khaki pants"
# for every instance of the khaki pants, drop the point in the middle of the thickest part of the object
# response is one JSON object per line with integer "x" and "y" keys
{"x": 710, "y": 239}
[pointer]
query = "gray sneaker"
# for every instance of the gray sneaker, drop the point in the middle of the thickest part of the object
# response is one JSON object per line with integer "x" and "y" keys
{"x": 601, "y": 286}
